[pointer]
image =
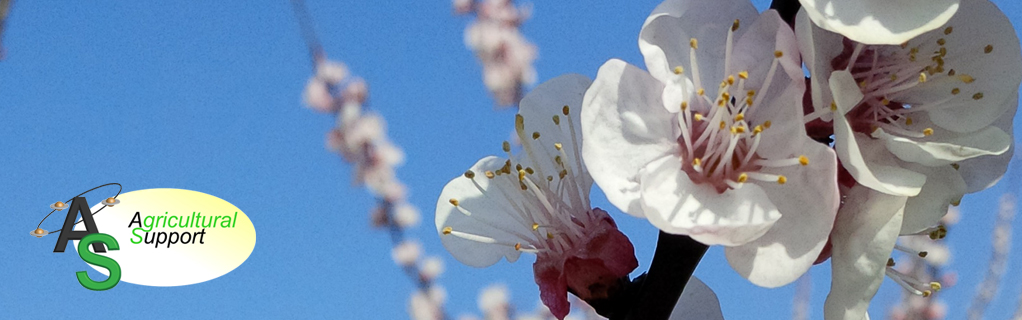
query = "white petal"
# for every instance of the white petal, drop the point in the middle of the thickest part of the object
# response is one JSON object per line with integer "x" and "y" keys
{"x": 983, "y": 172}
{"x": 808, "y": 203}
{"x": 948, "y": 147}
{"x": 491, "y": 214}
{"x": 863, "y": 237}
{"x": 540, "y": 106}
{"x": 818, "y": 47}
{"x": 623, "y": 129}
{"x": 697, "y": 302}
{"x": 880, "y": 21}
{"x": 943, "y": 186}
{"x": 664, "y": 38}
{"x": 997, "y": 74}
{"x": 674, "y": 204}
{"x": 868, "y": 161}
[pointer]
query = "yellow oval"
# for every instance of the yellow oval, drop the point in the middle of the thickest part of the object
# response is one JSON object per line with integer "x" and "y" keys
{"x": 220, "y": 237}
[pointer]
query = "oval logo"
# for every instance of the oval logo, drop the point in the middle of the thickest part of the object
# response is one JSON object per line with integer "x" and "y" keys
{"x": 173, "y": 237}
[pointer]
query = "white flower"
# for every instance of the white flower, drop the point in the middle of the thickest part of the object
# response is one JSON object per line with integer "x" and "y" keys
{"x": 538, "y": 203}
{"x": 929, "y": 119}
{"x": 721, "y": 156}
{"x": 880, "y": 21}
{"x": 406, "y": 253}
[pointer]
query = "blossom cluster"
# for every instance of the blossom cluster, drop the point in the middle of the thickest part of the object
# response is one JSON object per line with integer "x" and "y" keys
{"x": 505, "y": 54}
{"x": 907, "y": 107}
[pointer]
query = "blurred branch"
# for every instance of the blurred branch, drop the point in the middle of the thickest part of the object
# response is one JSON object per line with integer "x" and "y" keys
{"x": 803, "y": 292}
{"x": 5, "y": 9}
{"x": 1001, "y": 242}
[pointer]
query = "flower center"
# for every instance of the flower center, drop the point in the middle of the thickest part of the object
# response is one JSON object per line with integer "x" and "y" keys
{"x": 550, "y": 206}
{"x": 886, "y": 74}
{"x": 717, "y": 138}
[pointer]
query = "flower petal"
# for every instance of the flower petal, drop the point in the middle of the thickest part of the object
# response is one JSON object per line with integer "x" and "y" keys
{"x": 623, "y": 131}
{"x": 879, "y": 21}
{"x": 484, "y": 210}
{"x": 697, "y": 302}
{"x": 866, "y": 160}
{"x": 983, "y": 45}
{"x": 674, "y": 204}
{"x": 664, "y": 38}
{"x": 948, "y": 147}
{"x": 539, "y": 107}
{"x": 943, "y": 186}
{"x": 863, "y": 237}
{"x": 808, "y": 203}
{"x": 818, "y": 47}
{"x": 553, "y": 289}
{"x": 983, "y": 172}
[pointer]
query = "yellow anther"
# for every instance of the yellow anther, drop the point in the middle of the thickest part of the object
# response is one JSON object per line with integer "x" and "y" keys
{"x": 557, "y": 119}
{"x": 935, "y": 286}
{"x": 723, "y": 84}
{"x": 518, "y": 246}
{"x": 766, "y": 125}
{"x": 697, "y": 162}
{"x": 914, "y": 50}
{"x": 518, "y": 167}
{"x": 989, "y": 48}
{"x": 529, "y": 170}
{"x": 730, "y": 79}
{"x": 738, "y": 129}
{"x": 521, "y": 175}
{"x": 927, "y": 293}
{"x": 723, "y": 124}
{"x": 904, "y": 45}
{"x": 743, "y": 177}
{"x": 943, "y": 53}
{"x": 966, "y": 78}
{"x": 549, "y": 235}
{"x": 955, "y": 165}
{"x": 941, "y": 41}
{"x": 734, "y": 26}
{"x": 489, "y": 174}
{"x": 535, "y": 135}
{"x": 726, "y": 96}
{"x": 890, "y": 262}
{"x": 956, "y": 202}
{"x": 947, "y": 30}
{"x": 506, "y": 146}
{"x": 535, "y": 226}
{"x": 927, "y": 131}
{"x": 469, "y": 174}
{"x": 562, "y": 174}
{"x": 557, "y": 160}
{"x": 565, "y": 110}
{"x": 751, "y": 93}
{"x": 977, "y": 96}
{"x": 700, "y": 91}
{"x": 885, "y": 102}
{"x": 955, "y": 91}
{"x": 922, "y": 254}
{"x": 679, "y": 70}
{"x": 549, "y": 178}
{"x": 743, "y": 74}
{"x": 448, "y": 230}
{"x": 908, "y": 121}
{"x": 720, "y": 102}
{"x": 951, "y": 72}
{"x": 940, "y": 233}
{"x": 894, "y": 77}
{"x": 693, "y": 43}
{"x": 519, "y": 124}
{"x": 778, "y": 54}
{"x": 862, "y": 84}
{"x": 803, "y": 160}
{"x": 697, "y": 117}
{"x": 684, "y": 105}
{"x": 740, "y": 117}
{"x": 558, "y": 146}
{"x": 782, "y": 179}
{"x": 922, "y": 77}
{"x": 454, "y": 202}
{"x": 748, "y": 101}
{"x": 757, "y": 129}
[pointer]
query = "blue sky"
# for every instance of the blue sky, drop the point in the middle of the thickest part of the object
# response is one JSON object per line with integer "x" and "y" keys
{"x": 206, "y": 96}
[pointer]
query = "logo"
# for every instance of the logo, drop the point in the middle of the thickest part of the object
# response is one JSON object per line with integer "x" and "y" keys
{"x": 154, "y": 237}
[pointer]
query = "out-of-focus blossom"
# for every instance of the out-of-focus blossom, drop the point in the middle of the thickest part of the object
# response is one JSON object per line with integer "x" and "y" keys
{"x": 710, "y": 142}
{"x": 538, "y": 202}
{"x": 505, "y": 54}
{"x": 880, "y": 21}
{"x": 406, "y": 253}
{"x": 431, "y": 268}
{"x": 426, "y": 305}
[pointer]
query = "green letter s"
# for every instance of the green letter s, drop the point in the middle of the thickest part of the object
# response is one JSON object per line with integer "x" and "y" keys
{"x": 102, "y": 261}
